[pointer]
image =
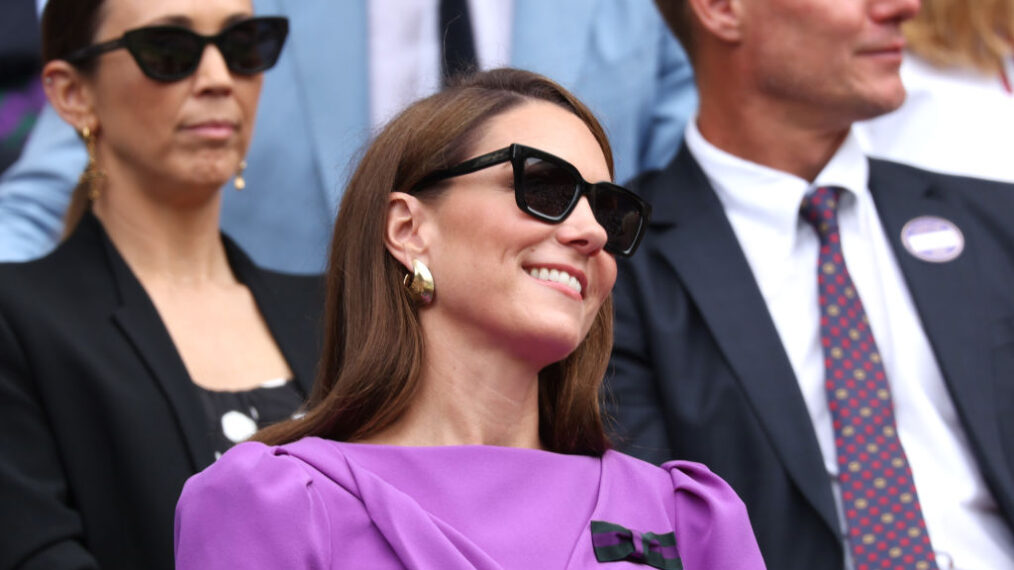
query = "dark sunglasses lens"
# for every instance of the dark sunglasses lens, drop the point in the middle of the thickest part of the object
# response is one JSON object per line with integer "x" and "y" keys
{"x": 165, "y": 54}
{"x": 620, "y": 215}
{"x": 549, "y": 190}
{"x": 253, "y": 46}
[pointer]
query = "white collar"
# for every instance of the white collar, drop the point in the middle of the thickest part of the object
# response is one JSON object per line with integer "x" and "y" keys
{"x": 772, "y": 197}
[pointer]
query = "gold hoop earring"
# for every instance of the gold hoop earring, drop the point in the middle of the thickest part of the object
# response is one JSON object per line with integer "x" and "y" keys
{"x": 240, "y": 182}
{"x": 92, "y": 176}
{"x": 421, "y": 288}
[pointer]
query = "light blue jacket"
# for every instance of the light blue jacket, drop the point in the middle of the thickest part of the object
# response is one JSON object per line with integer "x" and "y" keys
{"x": 313, "y": 120}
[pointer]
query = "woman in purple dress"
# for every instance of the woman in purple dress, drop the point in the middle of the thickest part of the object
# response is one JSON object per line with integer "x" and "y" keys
{"x": 455, "y": 421}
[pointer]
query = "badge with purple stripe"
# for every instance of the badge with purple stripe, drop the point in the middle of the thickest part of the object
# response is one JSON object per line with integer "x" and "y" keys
{"x": 933, "y": 239}
{"x": 614, "y": 543}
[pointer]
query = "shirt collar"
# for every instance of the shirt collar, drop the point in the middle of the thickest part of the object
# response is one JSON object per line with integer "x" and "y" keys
{"x": 772, "y": 197}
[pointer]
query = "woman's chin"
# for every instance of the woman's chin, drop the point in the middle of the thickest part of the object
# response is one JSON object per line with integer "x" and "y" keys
{"x": 549, "y": 349}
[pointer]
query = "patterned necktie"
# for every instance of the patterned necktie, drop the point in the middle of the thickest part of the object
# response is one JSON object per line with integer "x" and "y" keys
{"x": 886, "y": 529}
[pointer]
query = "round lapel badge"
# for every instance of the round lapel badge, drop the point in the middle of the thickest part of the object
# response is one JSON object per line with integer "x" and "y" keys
{"x": 933, "y": 239}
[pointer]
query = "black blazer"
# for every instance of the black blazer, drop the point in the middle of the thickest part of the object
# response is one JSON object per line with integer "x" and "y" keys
{"x": 100, "y": 424}
{"x": 699, "y": 372}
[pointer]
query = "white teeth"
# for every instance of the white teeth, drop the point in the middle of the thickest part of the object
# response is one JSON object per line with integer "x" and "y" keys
{"x": 557, "y": 276}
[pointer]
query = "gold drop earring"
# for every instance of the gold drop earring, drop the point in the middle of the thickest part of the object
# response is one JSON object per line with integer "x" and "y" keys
{"x": 421, "y": 288}
{"x": 240, "y": 182}
{"x": 92, "y": 175}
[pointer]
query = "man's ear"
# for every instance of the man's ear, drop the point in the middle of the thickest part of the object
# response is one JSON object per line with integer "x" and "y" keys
{"x": 720, "y": 18}
{"x": 69, "y": 94}
{"x": 406, "y": 234}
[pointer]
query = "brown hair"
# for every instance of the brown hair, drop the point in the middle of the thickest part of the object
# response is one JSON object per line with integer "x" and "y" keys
{"x": 67, "y": 26}
{"x": 679, "y": 17}
{"x": 373, "y": 344}
{"x": 975, "y": 34}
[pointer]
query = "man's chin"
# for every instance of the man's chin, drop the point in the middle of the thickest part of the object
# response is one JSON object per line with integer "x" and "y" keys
{"x": 874, "y": 107}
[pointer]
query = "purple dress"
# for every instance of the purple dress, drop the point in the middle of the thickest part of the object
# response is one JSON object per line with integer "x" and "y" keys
{"x": 321, "y": 504}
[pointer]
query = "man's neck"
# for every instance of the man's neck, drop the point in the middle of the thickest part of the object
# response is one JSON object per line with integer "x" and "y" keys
{"x": 770, "y": 136}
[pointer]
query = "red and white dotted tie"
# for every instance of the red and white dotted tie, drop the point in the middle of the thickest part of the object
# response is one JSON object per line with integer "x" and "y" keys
{"x": 886, "y": 529}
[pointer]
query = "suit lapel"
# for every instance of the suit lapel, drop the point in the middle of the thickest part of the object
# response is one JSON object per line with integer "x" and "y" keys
{"x": 957, "y": 331}
{"x": 538, "y": 27}
{"x": 140, "y": 323}
{"x": 288, "y": 327}
{"x": 699, "y": 243}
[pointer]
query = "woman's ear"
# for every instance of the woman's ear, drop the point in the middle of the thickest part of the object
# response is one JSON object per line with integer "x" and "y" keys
{"x": 69, "y": 94}
{"x": 406, "y": 233}
{"x": 719, "y": 18}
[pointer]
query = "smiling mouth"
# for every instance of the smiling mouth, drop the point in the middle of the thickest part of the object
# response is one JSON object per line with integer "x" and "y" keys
{"x": 885, "y": 52}
{"x": 890, "y": 47}
{"x": 556, "y": 276}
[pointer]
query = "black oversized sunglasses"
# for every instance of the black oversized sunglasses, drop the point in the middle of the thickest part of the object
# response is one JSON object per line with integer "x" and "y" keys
{"x": 170, "y": 53}
{"x": 548, "y": 188}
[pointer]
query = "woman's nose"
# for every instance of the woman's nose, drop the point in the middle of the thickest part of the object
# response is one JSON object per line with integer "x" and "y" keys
{"x": 581, "y": 230}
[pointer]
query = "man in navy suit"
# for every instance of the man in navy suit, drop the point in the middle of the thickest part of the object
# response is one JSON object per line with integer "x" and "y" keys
{"x": 728, "y": 348}
{"x": 315, "y": 112}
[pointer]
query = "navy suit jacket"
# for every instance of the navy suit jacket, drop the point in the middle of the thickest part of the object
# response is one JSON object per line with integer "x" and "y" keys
{"x": 313, "y": 120}
{"x": 699, "y": 372}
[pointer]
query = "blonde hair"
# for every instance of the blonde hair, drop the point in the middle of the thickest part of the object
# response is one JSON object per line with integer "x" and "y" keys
{"x": 975, "y": 34}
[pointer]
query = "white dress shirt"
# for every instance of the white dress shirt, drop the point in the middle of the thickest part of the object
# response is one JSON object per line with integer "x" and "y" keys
{"x": 762, "y": 205}
{"x": 954, "y": 120}
{"x": 405, "y": 49}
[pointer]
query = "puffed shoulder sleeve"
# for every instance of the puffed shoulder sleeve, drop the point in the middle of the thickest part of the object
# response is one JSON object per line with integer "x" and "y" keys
{"x": 255, "y": 507}
{"x": 712, "y": 526}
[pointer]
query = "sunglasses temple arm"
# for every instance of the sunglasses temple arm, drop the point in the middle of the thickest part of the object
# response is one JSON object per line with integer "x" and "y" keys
{"x": 467, "y": 167}
{"x": 480, "y": 162}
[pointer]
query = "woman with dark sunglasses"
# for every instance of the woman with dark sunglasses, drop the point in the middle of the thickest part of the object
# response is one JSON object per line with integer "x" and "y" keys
{"x": 455, "y": 419}
{"x": 147, "y": 343}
